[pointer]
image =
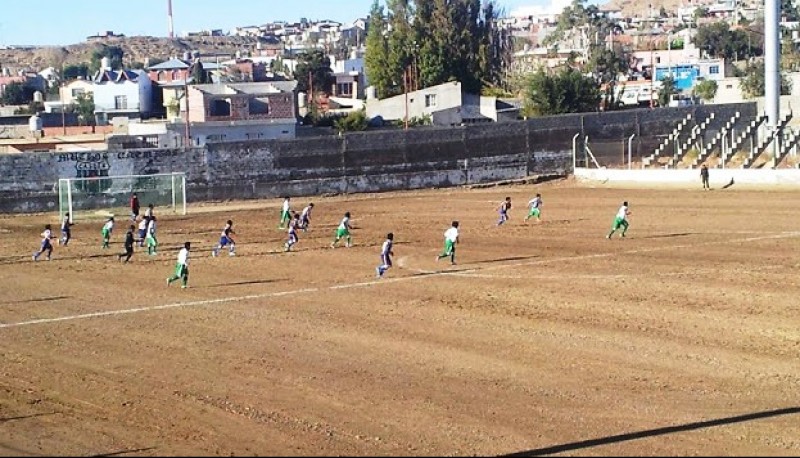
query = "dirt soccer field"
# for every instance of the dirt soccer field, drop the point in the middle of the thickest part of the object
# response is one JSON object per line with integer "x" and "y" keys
{"x": 544, "y": 339}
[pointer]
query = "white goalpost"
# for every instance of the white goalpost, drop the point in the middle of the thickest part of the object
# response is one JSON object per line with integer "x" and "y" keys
{"x": 79, "y": 195}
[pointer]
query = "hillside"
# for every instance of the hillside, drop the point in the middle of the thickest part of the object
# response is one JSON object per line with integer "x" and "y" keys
{"x": 136, "y": 49}
{"x": 634, "y": 8}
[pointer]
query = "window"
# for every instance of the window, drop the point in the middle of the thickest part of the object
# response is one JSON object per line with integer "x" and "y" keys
{"x": 259, "y": 106}
{"x": 430, "y": 100}
{"x": 344, "y": 88}
{"x": 78, "y": 91}
{"x": 713, "y": 70}
{"x": 219, "y": 107}
{"x": 121, "y": 102}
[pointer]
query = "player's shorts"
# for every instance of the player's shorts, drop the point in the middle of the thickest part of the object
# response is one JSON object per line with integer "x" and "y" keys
{"x": 142, "y": 233}
{"x": 65, "y": 232}
{"x": 225, "y": 241}
{"x": 449, "y": 247}
{"x": 292, "y": 237}
{"x": 46, "y": 245}
{"x": 619, "y": 222}
{"x": 304, "y": 221}
{"x": 106, "y": 233}
{"x": 181, "y": 270}
{"x": 535, "y": 212}
{"x": 386, "y": 260}
{"x": 342, "y": 233}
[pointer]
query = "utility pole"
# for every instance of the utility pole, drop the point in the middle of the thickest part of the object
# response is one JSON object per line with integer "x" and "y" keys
{"x": 188, "y": 139}
{"x": 405, "y": 85}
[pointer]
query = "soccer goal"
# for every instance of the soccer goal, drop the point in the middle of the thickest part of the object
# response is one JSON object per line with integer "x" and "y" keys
{"x": 111, "y": 195}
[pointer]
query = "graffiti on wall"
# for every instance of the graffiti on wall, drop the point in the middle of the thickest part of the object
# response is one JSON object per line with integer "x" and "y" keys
{"x": 90, "y": 164}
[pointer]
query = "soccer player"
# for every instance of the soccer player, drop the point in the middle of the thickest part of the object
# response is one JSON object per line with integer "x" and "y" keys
{"x": 152, "y": 241}
{"x": 129, "y": 239}
{"x": 225, "y": 239}
{"x": 343, "y": 231}
{"x": 534, "y": 205}
{"x": 66, "y": 231}
{"x": 503, "y": 210}
{"x": 285, "y": 215}
{"x": 108, "y": 228}
{"x": 294, "y": 225}
{"x": 143, "y": 230}
{"x": 305, "y": 217}
{"x": 450, "y": 241}
{"x": 386, "y": 255}
{"x": 621, "y": 220}
{"x": 134, "y": 207}
{"x": 47, "y": 235}
{"x": 182, "y": 266}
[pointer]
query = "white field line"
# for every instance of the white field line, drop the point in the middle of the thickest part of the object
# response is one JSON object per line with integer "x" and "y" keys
{"x": 428, "y": 274}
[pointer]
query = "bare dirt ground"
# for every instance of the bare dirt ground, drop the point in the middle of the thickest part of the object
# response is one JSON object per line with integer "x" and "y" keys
{"x": 681, "y": 339}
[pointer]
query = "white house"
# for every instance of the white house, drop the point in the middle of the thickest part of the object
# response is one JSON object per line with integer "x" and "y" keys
{"x": 123, "y": 93}
{"x": 69, "y": 92}
{"x": 446, "y": 104}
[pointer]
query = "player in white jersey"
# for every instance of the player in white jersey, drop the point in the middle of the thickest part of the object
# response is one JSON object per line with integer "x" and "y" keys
{"x": 285, "y": 212}
{"x": 182, "y": 266}
{"x": 305, "y": 217}
{"x": 46, "y": 245}
{"x": 108, "y": 227}
{"x": 66, "y": 231}
{"x": 151, "y": 239}
{"x": 343, "y": 231}
{"x": 535, "y": 211}
{"x": 386, "y": 255}
{"x": 620, "y": 221}
{"x": 143, "y": 230}
{"x": 294, "y": 226}
{"x": 450, "y": 241}
{"x": 226, "y": 239}
{"x": 505, "y": 206}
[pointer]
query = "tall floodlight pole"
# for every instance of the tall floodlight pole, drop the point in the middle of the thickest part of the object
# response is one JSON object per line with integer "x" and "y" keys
{"x": 772, "y": 76}
{"x": 169, "y": 19}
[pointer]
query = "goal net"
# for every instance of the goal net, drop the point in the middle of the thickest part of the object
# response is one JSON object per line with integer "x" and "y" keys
{"x": 103, "y": 196}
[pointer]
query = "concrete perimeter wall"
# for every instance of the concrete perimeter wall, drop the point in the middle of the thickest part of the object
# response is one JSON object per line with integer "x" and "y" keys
{"x": 369, "y": 161}
{"x": 717, "y": 177}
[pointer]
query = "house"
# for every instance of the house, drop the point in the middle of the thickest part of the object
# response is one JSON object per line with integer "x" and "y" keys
{"x": 30, "y": 80}
{"x": 123, "y": 93}
{"x": 447, "y": 105}
{"x": 241, "y": 111}
{"x": 51, "y": 76}
{"x": 349, "y": 85}
{"x": 69, "y": 92}
{"x": 171, "y": 70}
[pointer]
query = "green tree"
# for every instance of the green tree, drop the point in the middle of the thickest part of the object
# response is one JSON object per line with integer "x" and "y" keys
{"x": 441, "y": 40}
{"x": 606, "y": 65}
{"x": 72, "y": 72}
{"x": 376, "y": 59}
{"x": 114, "y": 54}
{"x": 318, "y": 66}
{"x": 706, "y": 90}
{"x": 666, "y": 91}
{"x": 354, "y": 121}
{"x": 718, "y": 40}
{"x": 753, "y": 85}
{"x": 568, "y": 91}
{"x": 84, "y": 106}
{"x": 17, "y": 94}
{"x": 199, "y": 74}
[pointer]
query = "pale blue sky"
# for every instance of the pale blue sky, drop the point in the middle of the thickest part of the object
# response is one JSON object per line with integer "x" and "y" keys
{"x": 63, "y": 22}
